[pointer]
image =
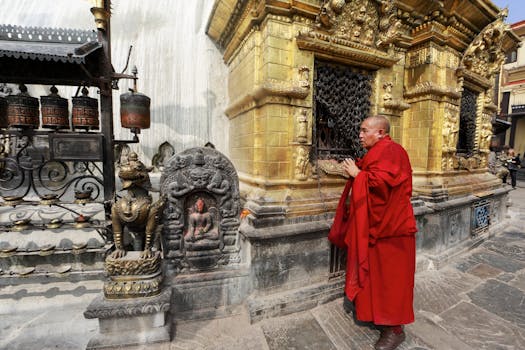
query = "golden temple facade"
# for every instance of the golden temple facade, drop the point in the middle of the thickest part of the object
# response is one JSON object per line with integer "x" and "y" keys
{"x": 431, "y": 66}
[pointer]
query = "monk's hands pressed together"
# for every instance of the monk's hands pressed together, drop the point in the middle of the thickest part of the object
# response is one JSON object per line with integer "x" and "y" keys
{"x": 350, "y": 167}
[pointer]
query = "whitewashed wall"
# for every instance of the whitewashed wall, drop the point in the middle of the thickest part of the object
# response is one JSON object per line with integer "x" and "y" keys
{"x": 179, "y": 67}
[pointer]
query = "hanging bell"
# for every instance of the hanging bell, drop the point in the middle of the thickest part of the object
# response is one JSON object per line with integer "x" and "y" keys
{"x": 3, "y": 113}
{"x": 22, "y": 110}
{"x": 134, "y": 110}
{"x": 85, "y": 112}
{"x": 54, "y": 110}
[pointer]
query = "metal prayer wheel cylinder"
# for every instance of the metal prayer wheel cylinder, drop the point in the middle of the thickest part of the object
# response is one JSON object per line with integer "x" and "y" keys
{"x": 22, "y": 110}
{"x": 134, "y": 110}
{"x": 54, "y": 111}
{"x": 3, "y": 113}
{"x": 85, "y": 112}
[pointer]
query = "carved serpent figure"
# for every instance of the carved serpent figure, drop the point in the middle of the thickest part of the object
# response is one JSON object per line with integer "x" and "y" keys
{"x": 135, "y": 210}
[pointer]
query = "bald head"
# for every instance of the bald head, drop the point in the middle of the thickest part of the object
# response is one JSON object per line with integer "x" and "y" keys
{"x": 372, "y": 130}
{"x": 380, "y": 122}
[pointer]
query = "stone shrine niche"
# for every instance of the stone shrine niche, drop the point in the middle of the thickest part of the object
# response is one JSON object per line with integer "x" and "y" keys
{"x": 201, "y": 218}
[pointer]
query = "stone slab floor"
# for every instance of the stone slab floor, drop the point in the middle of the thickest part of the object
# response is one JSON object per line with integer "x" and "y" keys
{"x": 475, "y": 302}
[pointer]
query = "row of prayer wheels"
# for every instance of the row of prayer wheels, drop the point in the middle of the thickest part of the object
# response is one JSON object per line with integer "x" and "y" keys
{"x": 22, "y": 111}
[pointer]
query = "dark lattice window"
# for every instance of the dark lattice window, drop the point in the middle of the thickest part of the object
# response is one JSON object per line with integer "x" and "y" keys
{"x": 342, "y": 101}
{"x": 467, "y": 122}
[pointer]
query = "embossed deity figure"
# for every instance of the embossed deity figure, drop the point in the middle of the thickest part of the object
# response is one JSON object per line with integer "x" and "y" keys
{"x": 302, "y": 127}
{"x": 486, "y": 136}
{"x": 135, "y": 210}
{"x": 450, "y": 132}
{"x": 201, "y": 224}
{"x": 301, "y": 163}
{"x": 219, "y": 184}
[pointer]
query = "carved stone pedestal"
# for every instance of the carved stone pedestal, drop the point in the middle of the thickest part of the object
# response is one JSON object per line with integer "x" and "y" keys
{"x": 134, "y": 305}
{"x": 132, "y": 276}
{"x": 125, "y": 322}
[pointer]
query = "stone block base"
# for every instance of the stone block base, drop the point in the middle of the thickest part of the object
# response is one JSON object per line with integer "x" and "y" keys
{"x": 126, "y": 322}
{"x": 212, "y": 294}
{"x": 129, "y": 338}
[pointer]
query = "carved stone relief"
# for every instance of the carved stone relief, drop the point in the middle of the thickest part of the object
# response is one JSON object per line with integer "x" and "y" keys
{"x": 390, "y": 102}
{"x": 121, "y": 154}
{"x": 450, "y": 131}
{"x": 303, "y": 77}
{"x": 467, "y": 163}
{"x": 302, "y": 126}
{"x": 454, "y": 225}
{"x": 387, "y": 95}
{"x": 485, "y": 135}
{"x": 165, "y": 152}
{"x": 302, "y": 160}
{"x": 201, "y": 219}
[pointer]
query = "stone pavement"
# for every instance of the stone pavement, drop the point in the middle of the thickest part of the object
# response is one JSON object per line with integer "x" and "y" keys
{"x": 476, "y": 302}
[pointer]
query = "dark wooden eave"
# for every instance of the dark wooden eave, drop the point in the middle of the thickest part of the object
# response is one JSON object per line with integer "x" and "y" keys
{"x": 500, "y": 124}
{"x": 50, "y": 56}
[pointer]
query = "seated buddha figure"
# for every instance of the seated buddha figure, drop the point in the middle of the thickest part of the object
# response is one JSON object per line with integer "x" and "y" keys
{"x": 202, "y": 233}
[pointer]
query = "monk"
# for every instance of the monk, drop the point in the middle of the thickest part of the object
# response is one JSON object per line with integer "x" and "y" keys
{"x": 376, "y": 226}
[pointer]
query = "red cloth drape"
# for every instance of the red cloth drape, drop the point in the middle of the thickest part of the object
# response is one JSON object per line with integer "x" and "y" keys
{"x": 379, "y": 276}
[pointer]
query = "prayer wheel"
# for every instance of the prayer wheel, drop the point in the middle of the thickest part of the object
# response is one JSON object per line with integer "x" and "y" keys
{"x": 54, "y": 110}
{"x": 22, "y": 110}
{"x": 3, "y": 113}
{"x": 85, "y": 112}
{"x": 134, "y": 110}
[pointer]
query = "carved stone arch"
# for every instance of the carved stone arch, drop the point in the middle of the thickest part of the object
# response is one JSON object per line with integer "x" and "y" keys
{"x": 200, "y": 175}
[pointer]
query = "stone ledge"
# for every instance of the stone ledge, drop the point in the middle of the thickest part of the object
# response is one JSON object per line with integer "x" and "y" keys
{"x": 210, "y": 276}
{"x": 320, "y": 227}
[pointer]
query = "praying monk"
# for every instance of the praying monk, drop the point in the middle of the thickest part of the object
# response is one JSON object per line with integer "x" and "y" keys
{"x": 378, "y": 229}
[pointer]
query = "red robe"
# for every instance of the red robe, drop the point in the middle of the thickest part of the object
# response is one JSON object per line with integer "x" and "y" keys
{"x": 379, "y": 236}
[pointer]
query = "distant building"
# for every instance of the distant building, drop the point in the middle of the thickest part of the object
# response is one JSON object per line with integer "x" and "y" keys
{"x": 512, "y": 96}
